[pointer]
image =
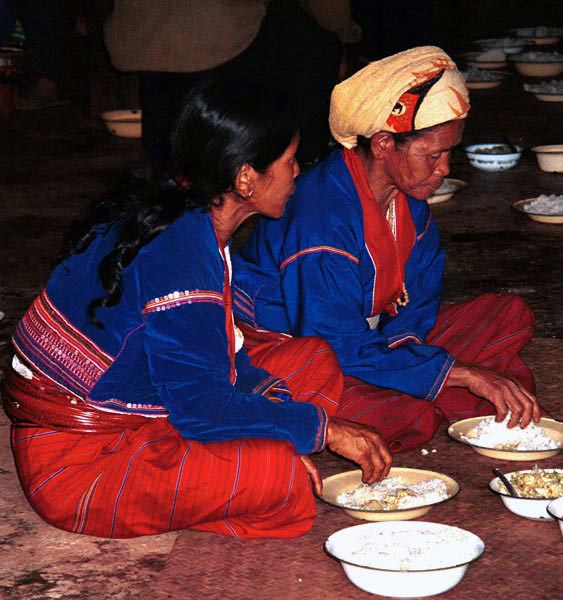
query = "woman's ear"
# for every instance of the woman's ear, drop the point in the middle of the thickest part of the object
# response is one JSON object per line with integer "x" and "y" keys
{"x": 244, "y": 181}
{"x": 381, "y": 143}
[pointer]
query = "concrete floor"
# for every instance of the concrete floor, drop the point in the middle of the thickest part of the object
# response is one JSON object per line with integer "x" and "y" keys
{"x": 54, "y": 162}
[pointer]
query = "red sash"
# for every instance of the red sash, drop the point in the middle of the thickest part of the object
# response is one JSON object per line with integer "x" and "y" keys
{"x": 388, "y": 254}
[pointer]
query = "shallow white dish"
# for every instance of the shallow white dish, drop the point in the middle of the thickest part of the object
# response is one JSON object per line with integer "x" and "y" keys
{"x": 520, "y": 205}
{"x": 545, "y": 97}
{"x": 483, "y": 85}
{"x": 446, "y": 191}
{"x": 336, "y": 484}
{"x": 530, "y": 508}
{"x": 538, "y": 69}
{"x": 371, "y": 573}
{"x": 555, "y": 511}
{"x": 487, "y": 161}
{"x": 123, "y": 123}
{"x": 463, "y": 429}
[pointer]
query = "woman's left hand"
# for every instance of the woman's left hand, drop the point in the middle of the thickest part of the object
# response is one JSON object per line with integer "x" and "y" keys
{"x": 314, "y": 474}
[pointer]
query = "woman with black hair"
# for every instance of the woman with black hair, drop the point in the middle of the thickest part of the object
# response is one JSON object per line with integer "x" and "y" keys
{"x": 135, "y": 409}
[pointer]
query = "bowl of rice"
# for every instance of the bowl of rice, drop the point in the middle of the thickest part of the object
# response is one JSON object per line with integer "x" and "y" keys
{"x": 546, "y": 91}
{"x": 405, "y": 559}
{"x": 538, "y": 64}
{"x": 494, "y": 439}
{"x": 541, "y": 35}
{"x": 536, "y": 489}
{"x": 492, "y": 156}
{"x": 446, "y": 190}
{"x": 555, "y": 511}
{"x": 546, "y": 208}
{"x": 481, "y": 79}
{"x": 403, "y": 495}
{"x": 509, "y": 45}
{"x": 490, "y": 59}
{"x": 550, "y": 157}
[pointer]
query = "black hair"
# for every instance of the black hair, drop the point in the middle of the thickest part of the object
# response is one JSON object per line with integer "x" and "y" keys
{"x": 220, "y": 128}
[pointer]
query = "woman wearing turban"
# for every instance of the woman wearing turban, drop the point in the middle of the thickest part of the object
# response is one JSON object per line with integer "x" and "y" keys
{"x": 357, "y": 259}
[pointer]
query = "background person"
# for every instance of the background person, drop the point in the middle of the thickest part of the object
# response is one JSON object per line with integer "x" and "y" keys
{"x": 356, "y": 259}
{"x": 293, "y": 45}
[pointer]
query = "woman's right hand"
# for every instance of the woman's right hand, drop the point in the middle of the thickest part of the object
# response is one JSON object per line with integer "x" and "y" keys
{"x": 362, "y": 444}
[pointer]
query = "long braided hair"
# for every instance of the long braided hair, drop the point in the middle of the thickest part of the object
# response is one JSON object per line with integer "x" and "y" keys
{"x": 221, "y": 128}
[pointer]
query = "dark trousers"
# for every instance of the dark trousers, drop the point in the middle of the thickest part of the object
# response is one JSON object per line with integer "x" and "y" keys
{"x": 43, "y": 23}
{"x": 290, "y": 53}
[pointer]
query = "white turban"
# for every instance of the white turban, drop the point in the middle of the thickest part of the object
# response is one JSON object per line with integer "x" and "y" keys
{"x": 379, "y": 98}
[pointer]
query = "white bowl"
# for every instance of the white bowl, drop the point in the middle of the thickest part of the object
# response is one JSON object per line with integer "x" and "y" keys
{"x": 482, "y": 157}
{"x": 336, "y": 484}
{"x": 555, "y": 510}
{"x": 530, "y": 508}
{"x": 486, "y": 64}
{"x": 446, "y": 191}
{"x": 464, "y": 431}
{"x": 123, "y": 123}
{"x": 508, "y": 45}
{"x": 538, "y": 69}
{"x": 405, "y": 559}
{"x": 550, "y": 157}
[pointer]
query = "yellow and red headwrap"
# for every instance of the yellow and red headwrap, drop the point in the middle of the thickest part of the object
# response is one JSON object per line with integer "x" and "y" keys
{"x": 411, "y": 90}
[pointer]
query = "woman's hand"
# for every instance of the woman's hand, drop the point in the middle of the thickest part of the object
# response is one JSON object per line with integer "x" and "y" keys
{"x": 314, "y": 474}
{"x": 507, "y": 394}
{"x": 362, "y": 444}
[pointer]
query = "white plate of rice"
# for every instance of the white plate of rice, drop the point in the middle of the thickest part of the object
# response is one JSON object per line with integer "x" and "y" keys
{"x": 545, "y": 208}
{"x": 403, "y": 495}
{"x": 486, "y": 436}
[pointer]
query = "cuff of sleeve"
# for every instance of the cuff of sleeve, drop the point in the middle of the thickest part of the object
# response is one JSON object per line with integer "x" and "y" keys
{"x": 441, "y": 379}
{"x": 320, "y": 439}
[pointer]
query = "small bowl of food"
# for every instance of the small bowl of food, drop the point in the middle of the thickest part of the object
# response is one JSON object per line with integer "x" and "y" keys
{"x": 509, "y": 45}
{"x": 538, "y": 64}
{"x": 541, "y": 35}
{"x": 545, "y": 208}
{"x": 546, "y": 91}
{"x": 481, "y": 79}
{"x": 549, "y": 157}
{"x": 490, "y": 59}
{"x": 446, "y": 191}
{"x": 406, "y": 559}
{"x": 536, "y": 489}
{"x": 492, "y": 156}
{"x": 123, "y": 123}
{"x": 555, "y": 511}
{"x": 404, "y": 494}
{"x": 494, "y": 439}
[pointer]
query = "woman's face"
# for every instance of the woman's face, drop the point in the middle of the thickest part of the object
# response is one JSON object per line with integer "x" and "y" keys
{"x": 418, "y": 167}
{"x": 273, "y": 188}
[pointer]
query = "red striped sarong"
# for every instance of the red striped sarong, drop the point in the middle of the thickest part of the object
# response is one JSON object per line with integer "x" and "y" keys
{"x": 488, "y": 331}
{"x": 151, "y": 480}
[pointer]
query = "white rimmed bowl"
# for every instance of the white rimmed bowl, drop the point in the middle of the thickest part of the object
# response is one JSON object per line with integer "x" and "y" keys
{"x": 527, "y": 207}
{"x": 123, "y": 123}
{"x": 536, "y": 68}
{"x": 530, "y": 508}
{"x": 463, "y": 431}
{"x": 380, "y": 557}
{"x": 484, "y": 157}
{"x": 446, "y": 191}
{"x": 555, "y": 511}
{"x": 549, "y": 157}
{"x": 486, "y": 64}
{"x": 507, "y": 45}
{"x": 336, "y": 484}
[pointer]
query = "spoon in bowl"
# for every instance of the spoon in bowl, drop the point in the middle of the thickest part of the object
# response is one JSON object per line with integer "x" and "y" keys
{"x": 511, "y": 489}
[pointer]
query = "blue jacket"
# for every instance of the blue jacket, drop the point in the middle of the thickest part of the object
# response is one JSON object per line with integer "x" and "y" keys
{"x": 309, "y": 273}
{"x": 164, "y": 348}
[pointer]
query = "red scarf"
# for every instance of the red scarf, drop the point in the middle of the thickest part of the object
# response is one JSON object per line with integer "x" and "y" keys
{"x": 388, "y": 254}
